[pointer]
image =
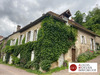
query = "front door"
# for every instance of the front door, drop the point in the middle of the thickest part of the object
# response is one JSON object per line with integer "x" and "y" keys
{"x": 73, "y": 54}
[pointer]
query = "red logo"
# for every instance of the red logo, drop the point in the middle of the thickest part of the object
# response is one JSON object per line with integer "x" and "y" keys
{"x": 73, "y": 67}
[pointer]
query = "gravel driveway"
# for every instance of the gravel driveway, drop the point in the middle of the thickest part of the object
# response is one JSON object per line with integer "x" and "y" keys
{"x": 65, "y": 72}
{"x": 10, "y": 70}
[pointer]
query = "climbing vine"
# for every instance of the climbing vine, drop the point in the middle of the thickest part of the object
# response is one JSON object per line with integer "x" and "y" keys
{"x": 54, "y": 38}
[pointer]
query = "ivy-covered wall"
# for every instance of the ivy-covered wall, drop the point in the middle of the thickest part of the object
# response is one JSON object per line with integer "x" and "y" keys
{"x": 54, "y": 38}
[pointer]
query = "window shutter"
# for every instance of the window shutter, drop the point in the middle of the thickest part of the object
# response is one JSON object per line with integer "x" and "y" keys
{"x": 32, "y": 56}
{"x": 18, "y": 56}
{"x": 11, "y": 43}
{"x": 31, "y": 36}
{"x": 19, "y": 40}
{"x": 90, "y": 44}
{"x": 15, "y": 41}
{"x": 85, "y": 39}
{"x": 26, "y": 37}
{"x": 22, "y": 38}
{"x": 94, "y": 44}
{"x": 81, "y": 38}
{"x": 37, "y": 34}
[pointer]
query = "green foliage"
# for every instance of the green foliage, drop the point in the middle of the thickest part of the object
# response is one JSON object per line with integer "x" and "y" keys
{"x": 56, "y": 69}
{"x": 23, "y": 41}
{"x": 7, "y": 57}
{"x": 16, "y": 42}
{"x": 32, "y": 64}
{"x": 98, "y": 52}
{"x": 65, "y": 63}
{"x": 92, "y": 20}
{"x": 8, "y": 43}
{"x": 88, "y": 55}
{"x": 15, "y": 60}
{"x": 24, "y": 50}
{"x": 45, "y": 65}
{"x": 29, "y": 65}
{"x": 82, "y": 58}
{"x": 35, "y": 65}
{"x": 54, "y": 38}
{"x": 79, "y": 17}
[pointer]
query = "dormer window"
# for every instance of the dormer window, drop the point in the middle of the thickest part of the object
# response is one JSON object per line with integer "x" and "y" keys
{"x": 66, "y": 14}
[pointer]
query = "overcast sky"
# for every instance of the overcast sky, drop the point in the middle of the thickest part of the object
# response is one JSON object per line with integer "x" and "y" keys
{"x": 22, "y": 12}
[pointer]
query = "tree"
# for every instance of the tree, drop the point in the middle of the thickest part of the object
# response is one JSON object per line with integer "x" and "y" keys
{"x": 79, "y": 17}
{"x": 93, "y": 20}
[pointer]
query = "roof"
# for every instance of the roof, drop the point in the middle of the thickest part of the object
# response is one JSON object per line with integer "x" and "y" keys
{"x": 77, "y": 25}
{"x": 56, "y": 16}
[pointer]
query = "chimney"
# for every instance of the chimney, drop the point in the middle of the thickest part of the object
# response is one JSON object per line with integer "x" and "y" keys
{"x": 18, "y": 27}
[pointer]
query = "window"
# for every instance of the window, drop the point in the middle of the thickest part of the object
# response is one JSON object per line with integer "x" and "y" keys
{"x": 97, "y": 46}
{"x": 35, "y": 35}
{"x": 20, "y": 41}
{"x": 83, "y": 40}
{"x": 91, "y": 43}
{"x": 28, "y": 36}
{"x": 13, "y": 42}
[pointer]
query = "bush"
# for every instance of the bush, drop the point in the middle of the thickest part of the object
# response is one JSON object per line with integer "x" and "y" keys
{"x": 45, "y": 65}
{"x": 98, "y": 52}
{"x": 28, "y": 65}
{"x": 35, "y": 65}
{"x": 88, "y": 55}
{"x": 15, "y": 60}
{"x": 32, "y": 64}
{"x": 82, "y": 58}
{"x": 65, "y": 63}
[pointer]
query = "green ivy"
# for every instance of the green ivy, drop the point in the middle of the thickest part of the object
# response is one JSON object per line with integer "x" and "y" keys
{"x": 54, "y": 38}
{"x": 16, "y": 42}
{"x": 45, "y": 65}
{"x": 8, "y": 43}
{"x": 24, "y": 50}
{"x": 23, "y": 41}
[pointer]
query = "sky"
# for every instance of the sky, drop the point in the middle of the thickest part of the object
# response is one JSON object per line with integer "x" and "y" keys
{"x": 22, "y": 12}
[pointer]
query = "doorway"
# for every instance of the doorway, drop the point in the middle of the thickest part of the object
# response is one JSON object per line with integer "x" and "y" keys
{"x": 73, "y": 54}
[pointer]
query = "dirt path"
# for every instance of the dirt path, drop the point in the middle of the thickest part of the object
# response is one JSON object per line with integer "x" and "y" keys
{"x": 65, "y": 72}
{"x": 8, "y": 70}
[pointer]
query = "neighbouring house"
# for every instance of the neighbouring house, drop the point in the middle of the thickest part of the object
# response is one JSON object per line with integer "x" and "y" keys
{"x": 1, "y": 37}
{"x": 86, "y": 39}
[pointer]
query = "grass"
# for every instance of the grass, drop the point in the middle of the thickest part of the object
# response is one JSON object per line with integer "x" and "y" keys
{"x": 47, "y": 73}
{"x": 1, "y": 61}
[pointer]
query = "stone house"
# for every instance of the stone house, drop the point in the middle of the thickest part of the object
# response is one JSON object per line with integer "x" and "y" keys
{"x": 1, "y": 37}
{"x": 86, "y": 39}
